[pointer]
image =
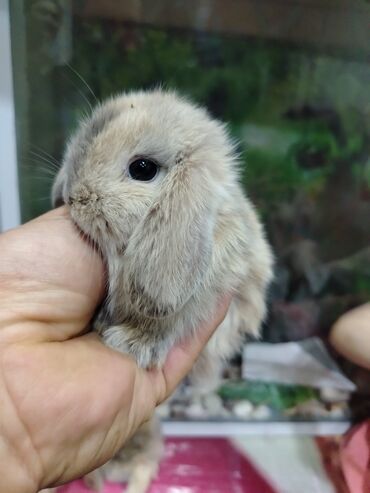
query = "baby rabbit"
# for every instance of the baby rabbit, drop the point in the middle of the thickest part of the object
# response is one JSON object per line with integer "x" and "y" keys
{"x": 153, "y": 180}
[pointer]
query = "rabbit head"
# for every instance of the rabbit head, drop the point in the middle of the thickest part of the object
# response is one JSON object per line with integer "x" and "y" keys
{"x": 144, "y": 177}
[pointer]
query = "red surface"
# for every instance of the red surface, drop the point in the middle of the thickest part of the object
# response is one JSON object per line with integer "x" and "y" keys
{"x": 329, "y": 447}
{"x": 198, "y": 465}
{"x": 355, "y": 458}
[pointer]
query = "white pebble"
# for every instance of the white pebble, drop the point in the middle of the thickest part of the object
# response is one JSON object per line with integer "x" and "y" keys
{"x": 243, "y": 409}
{"x": 261, "y": 412}
{"x": 195, "y": 411}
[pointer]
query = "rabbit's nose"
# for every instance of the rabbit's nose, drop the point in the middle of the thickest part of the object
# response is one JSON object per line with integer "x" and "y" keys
{"x": 82, "y": 195}
{"x": 78, "y": 200}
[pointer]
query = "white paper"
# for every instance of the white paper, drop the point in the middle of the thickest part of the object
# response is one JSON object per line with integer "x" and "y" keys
{"x": 298, "y": 363}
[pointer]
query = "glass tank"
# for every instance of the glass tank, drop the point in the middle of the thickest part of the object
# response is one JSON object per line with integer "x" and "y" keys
{"x": 291, "y": 79}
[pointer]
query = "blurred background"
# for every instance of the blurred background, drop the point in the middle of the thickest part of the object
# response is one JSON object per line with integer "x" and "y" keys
{"x": 291, "y": 78}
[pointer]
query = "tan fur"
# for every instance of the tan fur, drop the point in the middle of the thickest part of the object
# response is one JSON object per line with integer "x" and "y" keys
{"x": 173, "y": 246}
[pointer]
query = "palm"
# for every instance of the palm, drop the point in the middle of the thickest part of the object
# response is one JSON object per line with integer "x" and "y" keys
{"x": 68, "y": 401}
{"x": 60, "y": 390}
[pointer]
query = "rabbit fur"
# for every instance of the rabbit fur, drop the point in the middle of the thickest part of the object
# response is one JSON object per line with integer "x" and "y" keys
{"x": 173, "y": 245}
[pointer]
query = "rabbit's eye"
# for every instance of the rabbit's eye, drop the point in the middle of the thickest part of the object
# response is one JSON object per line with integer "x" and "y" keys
{"x": 143, "y": 169}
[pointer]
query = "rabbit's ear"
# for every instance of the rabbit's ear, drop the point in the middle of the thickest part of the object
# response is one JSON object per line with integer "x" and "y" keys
{"x": 170, "y": 250}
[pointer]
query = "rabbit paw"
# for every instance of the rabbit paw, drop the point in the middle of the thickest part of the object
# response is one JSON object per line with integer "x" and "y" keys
{"x": 147, "y": 353}
{"x": 95, "y": 480}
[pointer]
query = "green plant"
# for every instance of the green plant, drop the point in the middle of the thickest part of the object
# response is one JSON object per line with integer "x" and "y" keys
{"x": 277, "y": 396}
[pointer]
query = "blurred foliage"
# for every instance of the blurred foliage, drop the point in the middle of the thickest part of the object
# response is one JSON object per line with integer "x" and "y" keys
{"x": 240, "y": 81}
{"x": 301, "y": 116}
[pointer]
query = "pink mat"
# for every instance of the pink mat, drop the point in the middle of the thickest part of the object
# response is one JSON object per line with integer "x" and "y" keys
{"x": 197, "y": 465}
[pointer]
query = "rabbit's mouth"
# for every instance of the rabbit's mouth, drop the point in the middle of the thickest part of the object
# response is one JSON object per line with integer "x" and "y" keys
{"x": 84, "y": 234}
{"x": 97, "y": 230}
{"x": 86, "y": 223}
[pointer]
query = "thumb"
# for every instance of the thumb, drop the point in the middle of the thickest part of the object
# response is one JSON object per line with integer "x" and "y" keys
{"x": 183, "y": 356}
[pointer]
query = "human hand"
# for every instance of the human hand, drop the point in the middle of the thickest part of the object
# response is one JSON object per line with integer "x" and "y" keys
{"x": 68, "y": 403}
{"x": 350, "y": 335}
